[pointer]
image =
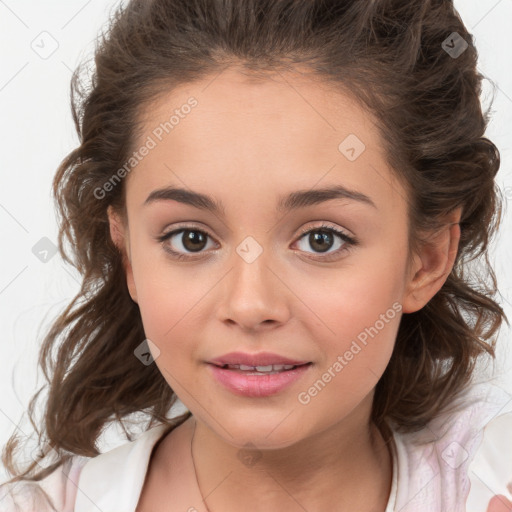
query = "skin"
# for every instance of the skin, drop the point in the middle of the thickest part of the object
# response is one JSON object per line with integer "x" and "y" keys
{"x": 500, "y": 504}
{"x": 246, "y": 144}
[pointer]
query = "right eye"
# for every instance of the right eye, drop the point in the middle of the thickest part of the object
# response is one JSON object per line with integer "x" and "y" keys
{"x": 183, "y": 240}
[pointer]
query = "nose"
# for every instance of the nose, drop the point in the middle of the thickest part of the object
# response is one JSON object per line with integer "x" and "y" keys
{"x": 254, "y": 294}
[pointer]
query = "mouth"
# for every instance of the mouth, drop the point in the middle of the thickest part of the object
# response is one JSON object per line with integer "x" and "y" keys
{"x": 258, "y": 381}
{"x": 269, "y": 369}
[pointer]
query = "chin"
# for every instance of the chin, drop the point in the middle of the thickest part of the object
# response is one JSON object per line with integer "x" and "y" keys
{"x": 274, "y": 430}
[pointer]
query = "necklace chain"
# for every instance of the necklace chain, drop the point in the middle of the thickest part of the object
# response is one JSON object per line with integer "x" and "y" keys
{"x": 385, "y": 437}
{"x": 194, "y": 466}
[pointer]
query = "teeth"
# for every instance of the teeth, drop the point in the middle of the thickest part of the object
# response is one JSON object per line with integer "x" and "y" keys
{"x": 267, "y": 368}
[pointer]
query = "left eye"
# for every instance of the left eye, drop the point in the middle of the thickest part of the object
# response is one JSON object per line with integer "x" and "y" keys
{"x": 322, "y": 238}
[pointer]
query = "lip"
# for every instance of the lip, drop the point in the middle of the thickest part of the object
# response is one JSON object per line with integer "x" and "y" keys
{"x": 258, "y": 359}
{"x": 257, "y": 386}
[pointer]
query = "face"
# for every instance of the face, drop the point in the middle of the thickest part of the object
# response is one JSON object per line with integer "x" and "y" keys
{"x": 323, "y": 281}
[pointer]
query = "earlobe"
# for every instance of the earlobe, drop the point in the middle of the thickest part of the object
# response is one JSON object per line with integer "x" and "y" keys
{"x": 120, "y": 237}
{"x": 433, "y": 265}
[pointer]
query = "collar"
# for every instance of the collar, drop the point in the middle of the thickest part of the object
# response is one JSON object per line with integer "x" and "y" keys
{"x": 113, "y": 480}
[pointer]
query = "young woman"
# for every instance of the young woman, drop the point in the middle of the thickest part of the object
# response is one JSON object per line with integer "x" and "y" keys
{"x": 274, "y": 205}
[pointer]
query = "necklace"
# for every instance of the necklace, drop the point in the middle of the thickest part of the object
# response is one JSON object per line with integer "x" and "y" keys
{"x": 194, "y": 466}
{"x": 385, "y": 436}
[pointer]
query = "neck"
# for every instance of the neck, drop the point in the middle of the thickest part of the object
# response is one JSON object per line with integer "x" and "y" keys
{"x": 345, "y": 465}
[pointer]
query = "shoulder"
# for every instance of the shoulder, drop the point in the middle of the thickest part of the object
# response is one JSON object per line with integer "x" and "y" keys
{"x": 490, "y": 470}
{"x": 440, "y": 464}
{"x": 55, "y": 492}
{"x": 106, "y": 480}
{"x": 114, "y": 479}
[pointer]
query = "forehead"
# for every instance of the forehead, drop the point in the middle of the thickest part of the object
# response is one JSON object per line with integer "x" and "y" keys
{"x": 304, "y": 104}
{"x": 287, "y": 131}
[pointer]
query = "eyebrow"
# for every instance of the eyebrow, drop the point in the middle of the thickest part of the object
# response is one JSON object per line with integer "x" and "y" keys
{"x": 292, "y": 201}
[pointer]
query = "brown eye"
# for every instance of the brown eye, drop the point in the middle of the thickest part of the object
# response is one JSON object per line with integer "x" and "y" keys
{"x": 323, "y": 238}
{"x": 193, "y": 240}
{"x": 185, "y": 241}
{"x": 320, "y": 240}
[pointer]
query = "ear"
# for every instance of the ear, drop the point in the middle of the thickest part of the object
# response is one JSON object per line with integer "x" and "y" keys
{"x": 120, "y": 237}
{"x": 432, "y": 266}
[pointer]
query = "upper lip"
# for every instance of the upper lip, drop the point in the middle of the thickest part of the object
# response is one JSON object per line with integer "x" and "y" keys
{"x": 259, "y": 359}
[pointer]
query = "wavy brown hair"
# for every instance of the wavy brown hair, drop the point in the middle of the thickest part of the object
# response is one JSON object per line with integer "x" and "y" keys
{"x": 392, "y": 56}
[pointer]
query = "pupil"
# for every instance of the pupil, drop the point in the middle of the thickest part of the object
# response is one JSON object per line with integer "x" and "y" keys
{"x": 318, "y": 238}
{"x": 193, "y": 240}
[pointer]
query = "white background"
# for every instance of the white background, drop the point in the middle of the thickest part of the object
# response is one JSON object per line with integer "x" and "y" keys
{"x": 36, "y": 132}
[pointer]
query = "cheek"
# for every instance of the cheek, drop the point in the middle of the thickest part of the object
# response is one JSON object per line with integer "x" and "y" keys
{"x": 164, "y": 297}
{"x": 168, "y": 313}
{"x": 356, "y": 313}
{"x": 173, "y": 314}
{"x": 355, "y": 341}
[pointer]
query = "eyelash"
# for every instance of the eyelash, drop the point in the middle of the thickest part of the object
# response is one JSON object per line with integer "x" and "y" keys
{"x": 349, "y": 241}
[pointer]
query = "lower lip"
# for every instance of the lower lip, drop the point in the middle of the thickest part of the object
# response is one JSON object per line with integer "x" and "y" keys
{"x": 257, "y": 385}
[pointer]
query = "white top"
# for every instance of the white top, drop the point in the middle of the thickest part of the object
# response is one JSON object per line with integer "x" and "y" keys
{"x": 455, "y": 464}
